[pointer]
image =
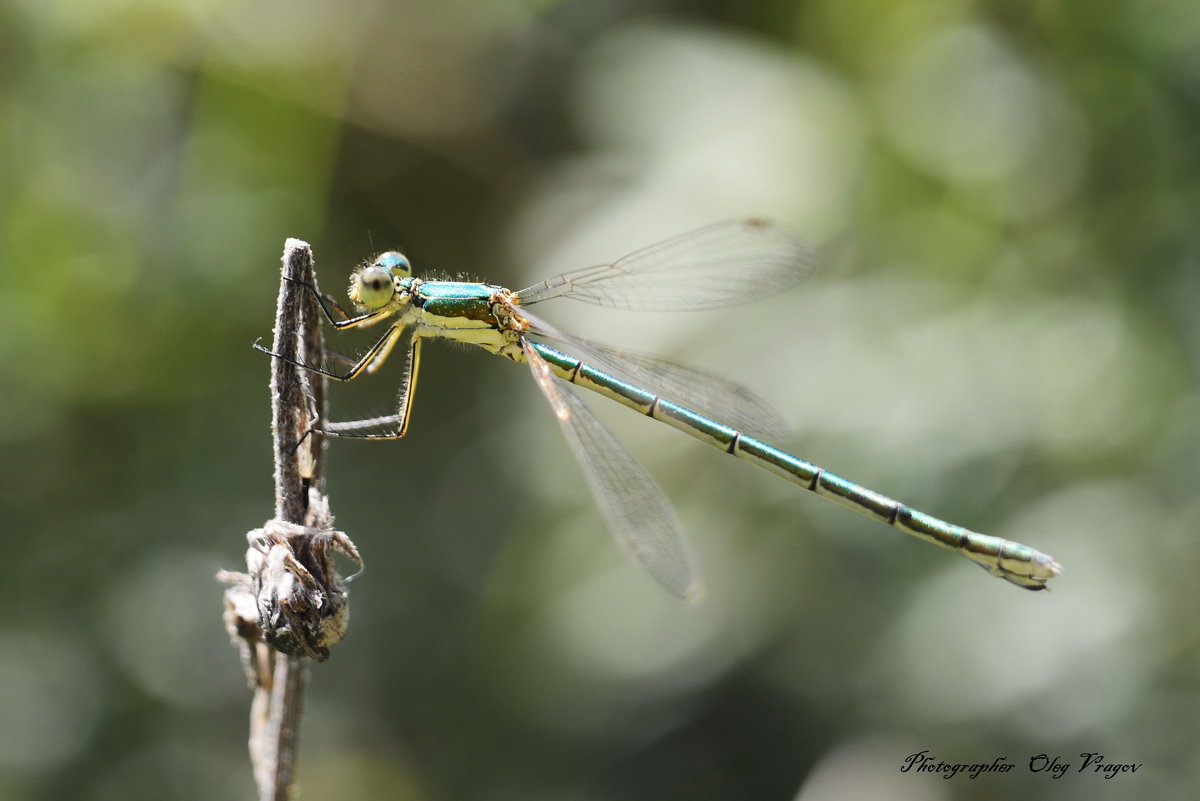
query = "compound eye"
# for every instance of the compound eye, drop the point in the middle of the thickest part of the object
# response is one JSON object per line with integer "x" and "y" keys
{"x": 395, "y": 263}
{"x": 372, "y": 287}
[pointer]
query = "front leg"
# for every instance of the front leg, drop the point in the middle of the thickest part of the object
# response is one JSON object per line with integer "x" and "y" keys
{"x": 370, "y": 361}
{"x": 346, "y": 321}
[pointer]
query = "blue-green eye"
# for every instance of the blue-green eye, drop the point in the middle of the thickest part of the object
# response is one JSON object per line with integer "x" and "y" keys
{"x": 394, "y": 262}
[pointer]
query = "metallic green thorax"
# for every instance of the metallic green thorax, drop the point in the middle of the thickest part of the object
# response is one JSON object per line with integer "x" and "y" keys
{"x": 464, "y": 312}
{"x": 449, "y": 299}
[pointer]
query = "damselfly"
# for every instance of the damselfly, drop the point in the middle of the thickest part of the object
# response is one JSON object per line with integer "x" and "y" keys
{"x": 715, "y": 266}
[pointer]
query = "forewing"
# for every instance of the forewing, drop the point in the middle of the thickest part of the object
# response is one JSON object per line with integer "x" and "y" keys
{"x": 720, "y": 265}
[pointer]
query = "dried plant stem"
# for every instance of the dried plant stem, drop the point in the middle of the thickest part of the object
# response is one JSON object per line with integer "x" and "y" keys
{"x": 277, "y": 708}
{"x": 290, "y": 605}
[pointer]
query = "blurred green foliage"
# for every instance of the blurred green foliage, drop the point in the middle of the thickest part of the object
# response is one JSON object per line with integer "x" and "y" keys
{"x": 1004, "y": 333}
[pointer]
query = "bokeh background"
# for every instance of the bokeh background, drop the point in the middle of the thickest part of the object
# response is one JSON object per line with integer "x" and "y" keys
{"x": 1004, "y": 332}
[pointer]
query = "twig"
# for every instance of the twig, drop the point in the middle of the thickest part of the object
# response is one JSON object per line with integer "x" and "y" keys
{"x": 290, "y": 604}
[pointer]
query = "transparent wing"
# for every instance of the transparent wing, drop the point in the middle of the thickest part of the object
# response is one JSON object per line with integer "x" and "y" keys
{"x": 637, "y": 513}
{"x": 720, "y": 265}
{"x": 717, "y": 398}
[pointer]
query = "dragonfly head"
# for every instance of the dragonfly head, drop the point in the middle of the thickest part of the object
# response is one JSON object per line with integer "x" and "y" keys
{"x": 373, "y": 285}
